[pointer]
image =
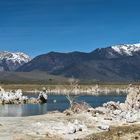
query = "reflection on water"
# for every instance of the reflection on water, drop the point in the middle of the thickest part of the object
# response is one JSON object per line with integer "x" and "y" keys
{"x": 22, "y": 110}
{"x": 60, "y": 104}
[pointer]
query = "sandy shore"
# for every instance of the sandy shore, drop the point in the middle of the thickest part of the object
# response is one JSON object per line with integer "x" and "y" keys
{"x": 55, "y": 126}
{"x": 48, "y": 126}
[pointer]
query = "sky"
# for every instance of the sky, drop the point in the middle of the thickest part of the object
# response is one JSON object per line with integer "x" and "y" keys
{"x": 40, "y": 26}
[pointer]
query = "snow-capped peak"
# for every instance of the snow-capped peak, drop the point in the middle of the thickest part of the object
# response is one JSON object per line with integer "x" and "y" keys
{"x": 13, "y": 60}
{"x": 17, "y": 56}
{"x": 127, "y": 49}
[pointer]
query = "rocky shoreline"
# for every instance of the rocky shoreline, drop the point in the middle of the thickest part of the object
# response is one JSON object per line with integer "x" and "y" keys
{"x": 113, "y": 121}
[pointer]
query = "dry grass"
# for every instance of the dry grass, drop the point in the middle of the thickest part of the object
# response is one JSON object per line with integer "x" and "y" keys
{"x": 28, "y": 87}
{"x": 47, "y": 137}
{"x": 131, "y": 132}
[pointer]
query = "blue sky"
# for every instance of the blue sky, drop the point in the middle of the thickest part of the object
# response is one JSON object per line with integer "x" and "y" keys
{"x": 41, "y": 26}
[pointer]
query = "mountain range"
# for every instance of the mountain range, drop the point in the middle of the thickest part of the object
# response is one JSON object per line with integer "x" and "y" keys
{"x": 114, "y": 63}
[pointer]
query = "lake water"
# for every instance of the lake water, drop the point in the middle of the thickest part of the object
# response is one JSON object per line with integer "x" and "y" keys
{"x": 61, "y": 104}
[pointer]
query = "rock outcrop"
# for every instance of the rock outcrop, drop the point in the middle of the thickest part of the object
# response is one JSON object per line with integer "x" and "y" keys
{"x": 128, "y": 112}
{"x": 16, "y": 97}
{"x": 43, "y": 96}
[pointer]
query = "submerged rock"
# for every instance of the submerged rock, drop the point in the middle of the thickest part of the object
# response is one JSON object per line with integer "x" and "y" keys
{"x": 32, "y": 101}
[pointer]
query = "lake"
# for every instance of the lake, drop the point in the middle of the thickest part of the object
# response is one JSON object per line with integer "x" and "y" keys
{"x": 61, "y": 103}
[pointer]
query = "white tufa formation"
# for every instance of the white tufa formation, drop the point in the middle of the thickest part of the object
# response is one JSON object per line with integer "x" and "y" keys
{"x": 16, "y": 97}
{"x": 12, "y": 97}
{"x": 124, "y": 112}
{"x": 133, "y": 98}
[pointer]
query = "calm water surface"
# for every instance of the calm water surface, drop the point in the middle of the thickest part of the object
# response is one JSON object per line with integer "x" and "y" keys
{"x": 61, "y": 104}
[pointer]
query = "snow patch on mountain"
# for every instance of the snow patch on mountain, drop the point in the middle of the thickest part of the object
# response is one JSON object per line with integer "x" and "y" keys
{"x": 126, "y": 49}
{"x": 18, "y": 56}
{"x": 11, "y": 61}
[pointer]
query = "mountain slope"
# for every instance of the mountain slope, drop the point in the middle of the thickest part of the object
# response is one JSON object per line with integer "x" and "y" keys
{"x": 33, "y": 77}
{"x": 54, "y": 61}
{"x": 114, "y": 63}
{"x": 11, "y": 61}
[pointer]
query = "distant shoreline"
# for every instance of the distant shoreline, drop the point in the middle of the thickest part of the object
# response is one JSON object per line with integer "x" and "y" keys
{"x": 66, "y": 89}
